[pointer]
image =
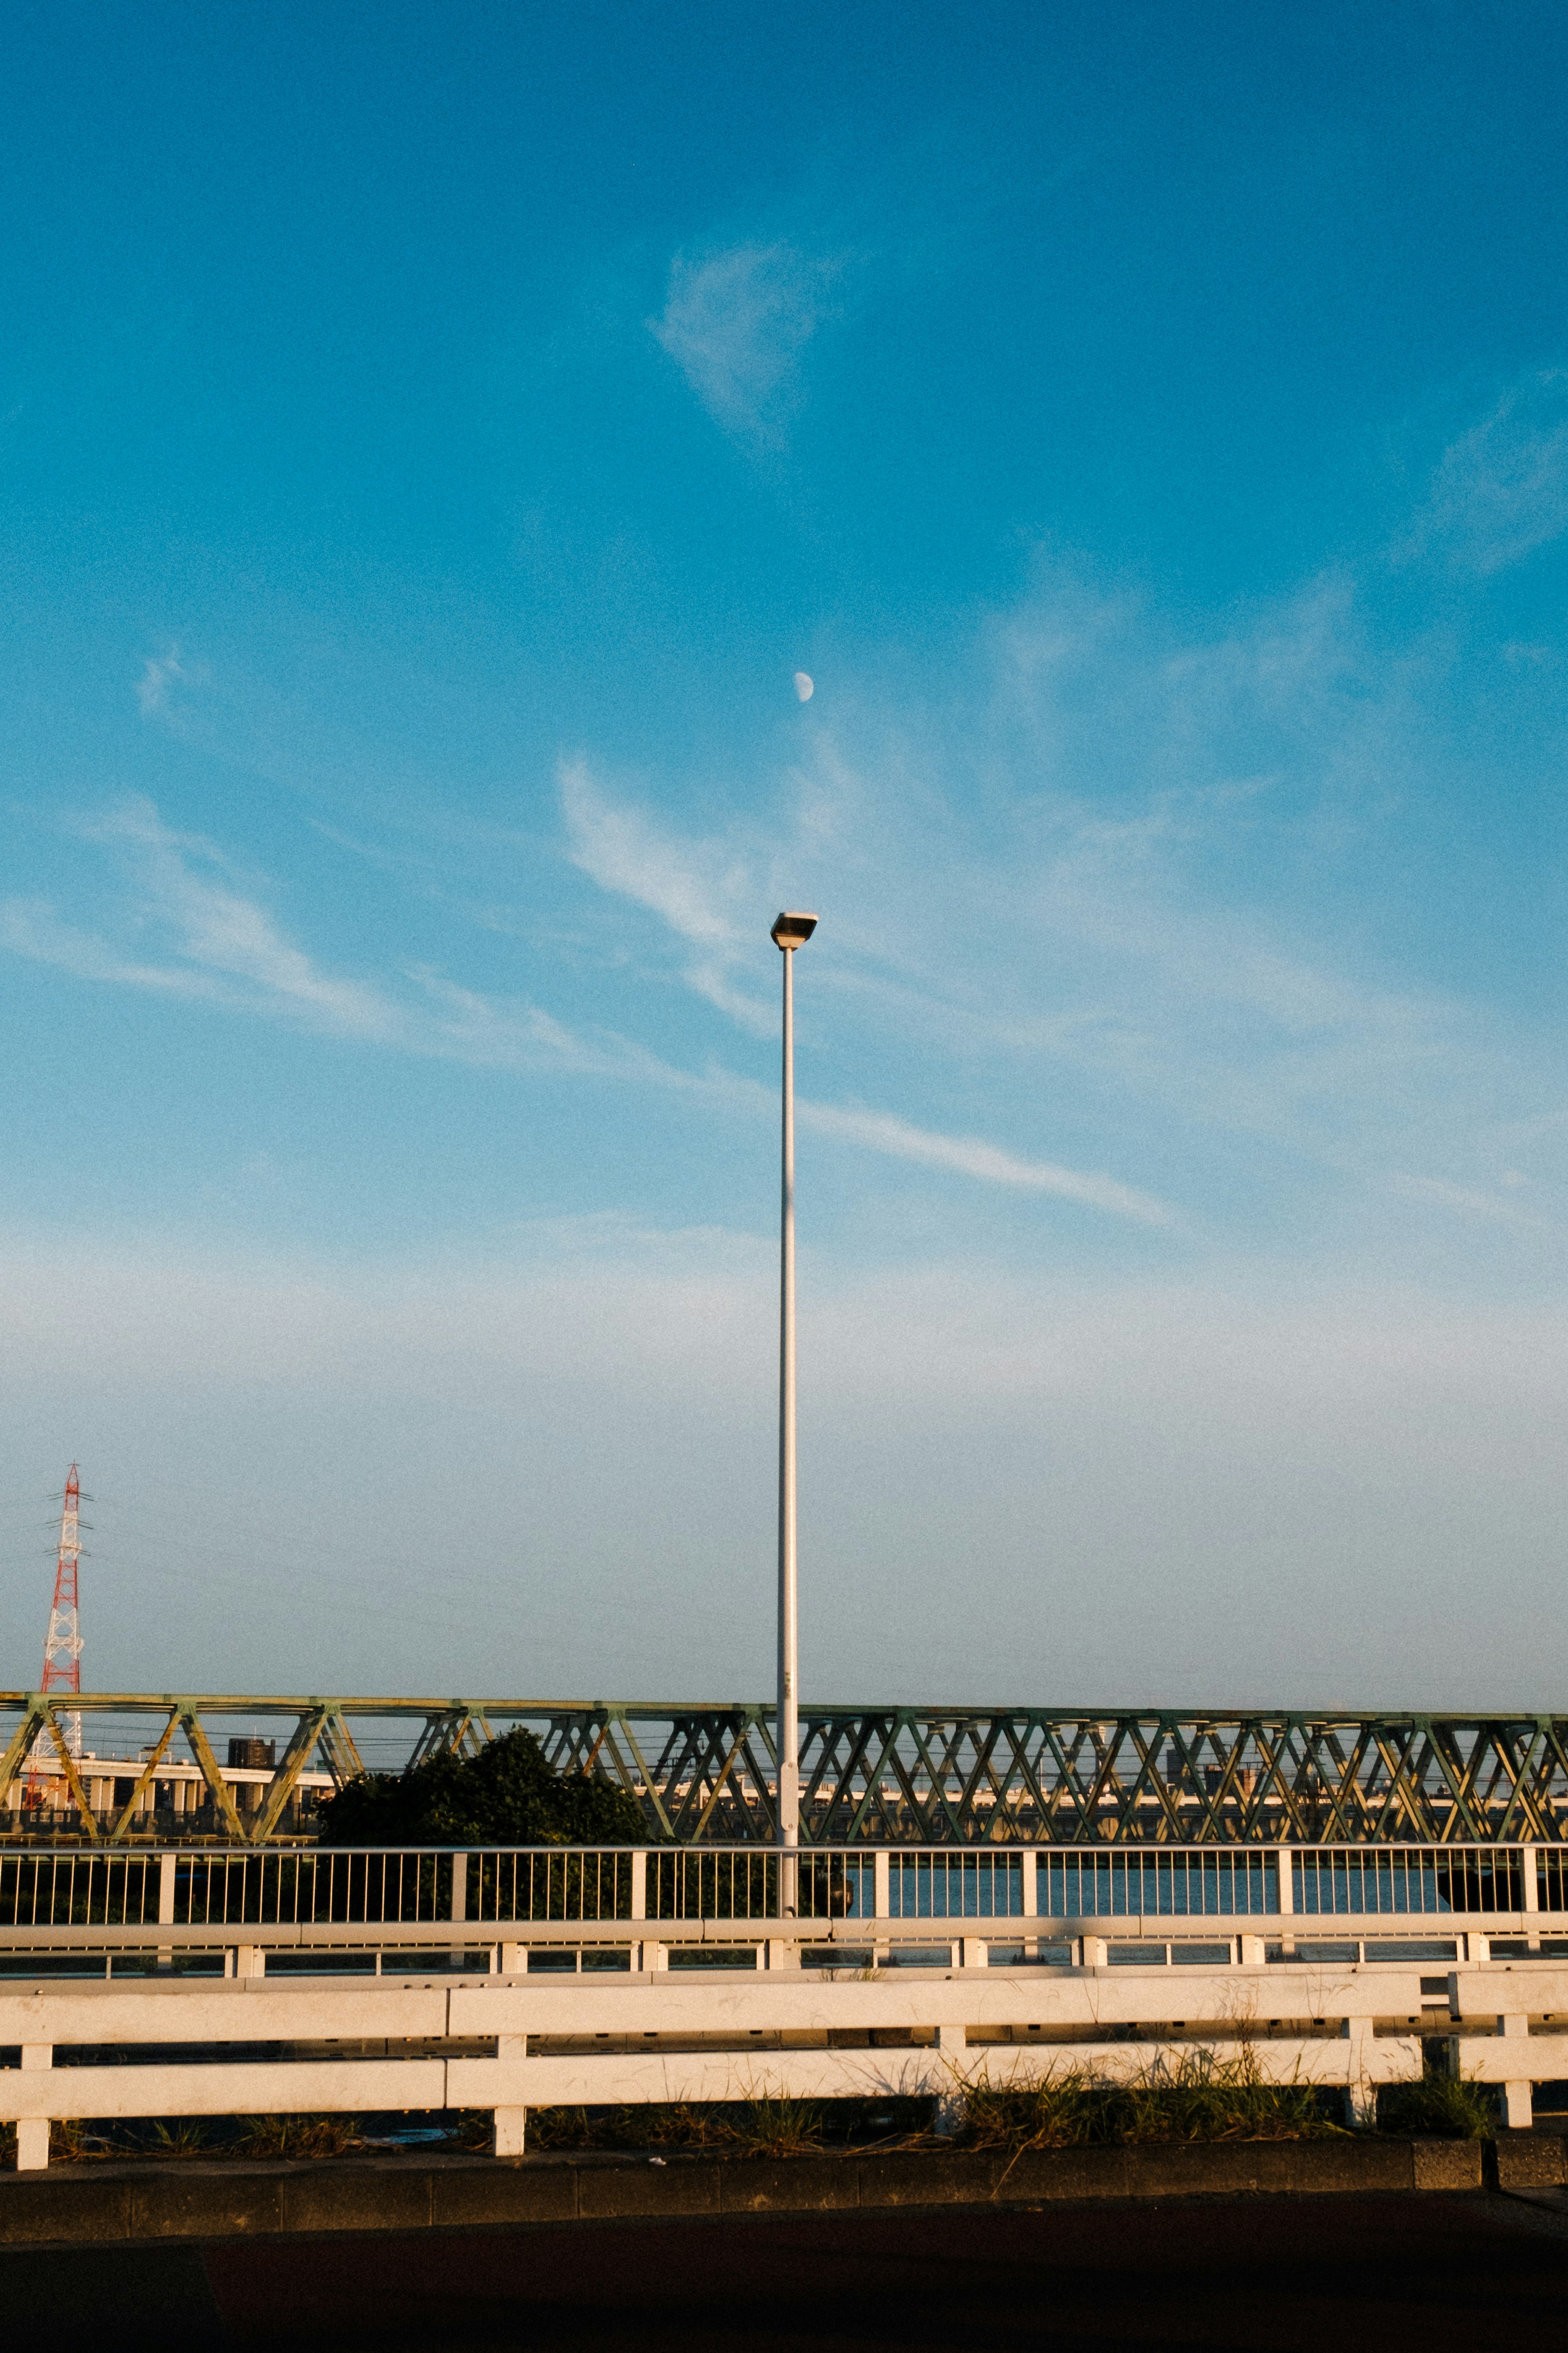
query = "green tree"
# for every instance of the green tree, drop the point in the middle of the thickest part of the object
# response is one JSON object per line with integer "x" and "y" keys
{"x": 509, "y": 1795}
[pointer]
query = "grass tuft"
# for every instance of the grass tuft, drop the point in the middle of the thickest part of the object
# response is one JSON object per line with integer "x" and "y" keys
{"x": 1439, "y": 2107}
{"x": 1201, "y": 2097}
{"x": 179, "y": 2136}
{"x": 296, "y": 2136}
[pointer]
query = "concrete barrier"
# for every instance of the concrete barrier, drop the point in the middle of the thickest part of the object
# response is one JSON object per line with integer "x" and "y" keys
{"x": 1526, "y": 2160}
{"x": 112, "y": 2204}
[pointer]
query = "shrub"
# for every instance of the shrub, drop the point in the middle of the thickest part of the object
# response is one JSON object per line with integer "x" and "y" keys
{"x": 509, "y": 1795}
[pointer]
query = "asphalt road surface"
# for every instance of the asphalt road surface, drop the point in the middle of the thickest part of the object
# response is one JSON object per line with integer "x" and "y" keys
{"x": 1430, "y": 2272}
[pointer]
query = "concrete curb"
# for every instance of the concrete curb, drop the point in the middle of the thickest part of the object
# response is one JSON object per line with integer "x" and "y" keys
{"x": 1526, "y": 2160}
{"x": 138, "y": 2203}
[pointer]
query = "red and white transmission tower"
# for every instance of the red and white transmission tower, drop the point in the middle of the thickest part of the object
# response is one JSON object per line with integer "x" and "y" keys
{"x": 62, "y": 1644}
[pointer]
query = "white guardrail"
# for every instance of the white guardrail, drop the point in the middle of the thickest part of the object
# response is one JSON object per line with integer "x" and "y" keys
{"x": 539, "y": 1977}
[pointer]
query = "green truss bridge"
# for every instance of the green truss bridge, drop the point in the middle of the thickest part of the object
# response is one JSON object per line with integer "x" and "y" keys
{"x": 137, "y": 1767}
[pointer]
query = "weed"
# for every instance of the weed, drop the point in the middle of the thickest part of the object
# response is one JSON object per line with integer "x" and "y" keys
{"x": 673, "y": 2123}
{"x": 1055, "y": 2111}
{"x": 476, "y": 2127}
{"x": 301, "y": 2135}
{"x": 1205, "y": 2098}
{"x": 550, "y": 2128}
{"x": 1444, "y": 2107}
{"x": 182, "y": 2137}
{"x": 765, "y": 2127}
{"x": 1201, "y": 2097}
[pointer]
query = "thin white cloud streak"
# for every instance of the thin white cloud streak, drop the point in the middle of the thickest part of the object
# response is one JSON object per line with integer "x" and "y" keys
{"x": 692, "y": 891}
{"x": 224, "y": 947}
{"x": 31, "y": 928}
{"x": 625, "y": 851}
{"x": 152, "y": 686}
{"x": 1079, "y": 811}
{"x": 227, "y": 937}
{"x": 969, "y": 1156}
{"x": 232, "y": 954}
{"x": 736, "y": 322}
{"x": 1470, "y": 1201}
{"x": 1501, "y": 490}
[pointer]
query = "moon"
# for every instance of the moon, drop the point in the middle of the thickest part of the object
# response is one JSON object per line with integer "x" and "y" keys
{"x": 805, "y": 687}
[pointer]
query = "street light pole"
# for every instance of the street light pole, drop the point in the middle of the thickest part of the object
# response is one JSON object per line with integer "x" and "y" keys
{"x": 789, "y": 933}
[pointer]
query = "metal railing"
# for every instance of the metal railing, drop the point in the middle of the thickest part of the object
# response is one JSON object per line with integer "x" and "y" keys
{"x": 506, "y": 1887}
{"x": 1418, "y": 1880}
{"x": 1161, "y": 1884}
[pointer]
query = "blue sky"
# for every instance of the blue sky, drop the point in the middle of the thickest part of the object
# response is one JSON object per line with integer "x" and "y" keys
{"x": 432, "y": 438}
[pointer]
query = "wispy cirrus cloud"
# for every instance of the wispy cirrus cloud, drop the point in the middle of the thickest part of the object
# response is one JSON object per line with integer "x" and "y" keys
{"x": 188, "y": 928}
{"x": 695, "y": 889}
{"x": 222, "y": 939}
{"x": 969, "y": 1155}
{"x": 214, "y": 941}
{"x": 698, "y": 892}
{"x": 1501, "y": 489}
{"x": 1135, "y": 838}
{"x": 736, "y": 322}
{"x": 158, "y": 674}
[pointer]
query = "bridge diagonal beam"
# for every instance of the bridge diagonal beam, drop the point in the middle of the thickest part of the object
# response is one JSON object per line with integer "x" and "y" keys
{"x": 295, "y": 1757}
{"x": 876, "y": 1729}
{"x": 201, "y": 1750}
{"x": 121, "y": 1822}
{"x": 73, "y": 1778}
{"x": 655, "y": 1796}
{"x": 337, "y": 1748}
{"x": 21, "y": 1742}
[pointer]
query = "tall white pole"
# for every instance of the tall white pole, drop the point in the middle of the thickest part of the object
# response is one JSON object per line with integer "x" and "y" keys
{"x": 788, "y": 1723}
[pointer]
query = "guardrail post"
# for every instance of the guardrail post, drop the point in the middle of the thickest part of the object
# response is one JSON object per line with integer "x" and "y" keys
{"x": 1530, "y": 1868}
{"x": 459, "y": 1910}
{"x": 881, "y": 1899}
{"x": 513, "y": 1960}
{"x": 1518, "y": 2098}
{"x": 1284, "y": 1871}
{"x": 1030, "y": 1900}
{"x": 639, "y": 1884}
{"x": 951, "y": 2046}
{"x": 1091, "y": 1953}
{"x": 1359, "y": 2082}
{"x": 1250, "y": 1952}
{"x": 165, "y": 1907}
{"x": 510, "y": 2124}
{"x": 33, "y": 2132}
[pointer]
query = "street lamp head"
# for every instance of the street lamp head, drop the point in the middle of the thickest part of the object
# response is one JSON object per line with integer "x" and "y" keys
{"x": 793, "y": 931}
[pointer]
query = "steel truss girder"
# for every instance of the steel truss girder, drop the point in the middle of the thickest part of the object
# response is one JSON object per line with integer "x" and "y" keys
{"x": 915, "y": 1776}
